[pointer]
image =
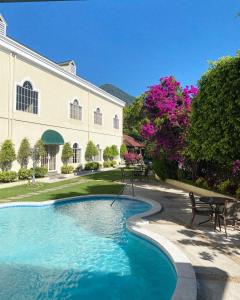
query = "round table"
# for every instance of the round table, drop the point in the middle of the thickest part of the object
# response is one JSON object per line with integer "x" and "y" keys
{"x": 215, "y": 203}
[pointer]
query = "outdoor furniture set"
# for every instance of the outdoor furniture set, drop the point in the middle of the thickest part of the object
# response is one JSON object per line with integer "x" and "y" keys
{"x": 217, "y": 209}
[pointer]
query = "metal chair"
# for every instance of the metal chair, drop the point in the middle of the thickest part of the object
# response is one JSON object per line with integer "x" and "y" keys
{"x": 231, "y": 212}
{"x": 200, "y": 209}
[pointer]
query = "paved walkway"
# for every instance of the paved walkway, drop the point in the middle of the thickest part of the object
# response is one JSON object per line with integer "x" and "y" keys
{"x": 215, "y": 258}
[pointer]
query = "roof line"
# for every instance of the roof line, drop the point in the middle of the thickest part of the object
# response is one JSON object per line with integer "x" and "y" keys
{"x": 32, "y": 56}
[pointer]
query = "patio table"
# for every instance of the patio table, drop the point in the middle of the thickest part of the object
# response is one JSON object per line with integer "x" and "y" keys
{"x": 216, "y": 203}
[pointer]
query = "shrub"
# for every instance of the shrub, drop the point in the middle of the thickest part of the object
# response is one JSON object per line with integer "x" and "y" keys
{"x": 238, "y": 193}
{"x": 24, "y": 173}
{"x": 123, "y": 150}
{"x": 67, "y": 153}
{"x": 201, "y": 182}
{"x": 132, "y": 158}
{"x": 107, "y": 164}
{"x": 107, "y": 153}
{"x": 67, "y": 169}
{"x": 113, "y": 163}
{"x": 91, "y": 151}
{"x": 114, "y": 151}
{"x": 24, "y": 153}
{"x": 7, "y": 155}
{"x": 38, "y": 152}
{"x": 92, "y": 166}
{"x": 226, "y": 186}
{"x": 8, "y": 176}
{"x": 40, "y": 172}
{"x": 160, "y": 168}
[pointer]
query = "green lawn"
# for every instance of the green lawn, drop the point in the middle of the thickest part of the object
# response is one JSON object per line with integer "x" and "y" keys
{"x": 100, "y": 183}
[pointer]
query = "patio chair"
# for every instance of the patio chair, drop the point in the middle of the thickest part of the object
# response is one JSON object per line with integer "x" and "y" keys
{"x": 200, "y": 209}
{"x": 230, "y": 213}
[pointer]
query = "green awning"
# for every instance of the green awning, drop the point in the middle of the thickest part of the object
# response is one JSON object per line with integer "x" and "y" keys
{"x": 52, "y": 137}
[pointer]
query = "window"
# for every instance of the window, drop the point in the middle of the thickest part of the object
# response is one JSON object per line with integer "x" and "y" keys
{"x": 99, "y": 156}
{"x": 116, "y": 122}
{"x": 27, "y": 98}
{"x": 75, "y": 110}
{"x": 76, "y": 154}
{"x": 98, "y": 117}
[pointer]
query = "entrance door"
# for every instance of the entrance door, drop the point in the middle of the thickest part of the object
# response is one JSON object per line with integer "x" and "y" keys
{"x": 52, "y": 157}
{"x": 49, "y": 160}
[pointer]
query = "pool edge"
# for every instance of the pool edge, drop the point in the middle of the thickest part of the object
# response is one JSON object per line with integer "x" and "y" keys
{"x": 186, "y": 288}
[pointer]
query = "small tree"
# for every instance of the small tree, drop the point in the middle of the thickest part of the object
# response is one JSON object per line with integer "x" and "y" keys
{"x": 67, "y": 153}
{"x": 91, "y": 151}
{"x": 107, "y": 153}
{"x": 37, "y": 152}
{"x": 114, "y": 151}
{"x": 7, "y": 155}
{"x": 24, "y": 153}
{"x": 123, "y": 150}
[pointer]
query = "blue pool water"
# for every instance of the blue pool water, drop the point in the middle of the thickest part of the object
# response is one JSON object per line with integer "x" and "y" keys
{"x": 80, "y": 250}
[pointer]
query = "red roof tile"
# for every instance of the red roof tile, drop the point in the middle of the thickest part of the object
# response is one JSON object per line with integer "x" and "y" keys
{"x": 130, "y": 141}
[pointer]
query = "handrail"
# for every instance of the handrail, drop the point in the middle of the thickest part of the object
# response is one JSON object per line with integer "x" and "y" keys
{"x": 122, "y": 190}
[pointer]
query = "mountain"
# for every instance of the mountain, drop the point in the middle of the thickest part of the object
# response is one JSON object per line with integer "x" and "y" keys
{"x": 115, "y": 91}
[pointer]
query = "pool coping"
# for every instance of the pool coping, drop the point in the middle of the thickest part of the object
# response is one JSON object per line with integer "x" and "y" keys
{"x": 186, "y": 288}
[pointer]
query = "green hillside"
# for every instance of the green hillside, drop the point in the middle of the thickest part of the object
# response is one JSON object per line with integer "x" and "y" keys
{"x": 115, "y": 91}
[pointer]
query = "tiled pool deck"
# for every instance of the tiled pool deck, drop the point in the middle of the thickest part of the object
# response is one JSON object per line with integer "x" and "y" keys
{"x": 216, "y": 259}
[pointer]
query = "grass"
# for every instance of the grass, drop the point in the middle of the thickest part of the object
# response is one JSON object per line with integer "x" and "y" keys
{"x": 100, "y": 183}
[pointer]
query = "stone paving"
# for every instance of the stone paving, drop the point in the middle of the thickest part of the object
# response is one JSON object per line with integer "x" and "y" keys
{"x": 215, "y": 258}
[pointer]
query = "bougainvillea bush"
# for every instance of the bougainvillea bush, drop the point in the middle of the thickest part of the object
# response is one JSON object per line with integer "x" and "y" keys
{"x": 167, "y": 106}
{"x": 132, "y": 158}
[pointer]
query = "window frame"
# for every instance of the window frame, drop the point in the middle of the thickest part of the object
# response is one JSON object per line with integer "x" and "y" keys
{"x": 34, "y": 89}
{"x": 97, "y": 115}
{"x": 77, "y": 154}
{"x": 116, "y": 122}
{"x": 80, "y": 112}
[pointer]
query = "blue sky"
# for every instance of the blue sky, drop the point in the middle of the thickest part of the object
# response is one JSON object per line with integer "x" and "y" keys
{"x": 129, "y": 43}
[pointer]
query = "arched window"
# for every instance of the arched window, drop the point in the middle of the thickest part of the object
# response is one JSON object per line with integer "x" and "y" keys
{"x": 76, "y": 154}
{"x": 27, "y": 98}
{"x": 99, "y": 156}
{"x": 98, "y": 117}
{"x": 75, "y": 110}
{"x": 116, "y": 122}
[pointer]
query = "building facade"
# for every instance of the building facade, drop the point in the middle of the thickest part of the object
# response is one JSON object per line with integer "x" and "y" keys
{"x": 40, "y": 99}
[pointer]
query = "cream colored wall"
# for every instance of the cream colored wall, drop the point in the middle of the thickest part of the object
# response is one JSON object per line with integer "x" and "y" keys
{"x": 55, "y": 95}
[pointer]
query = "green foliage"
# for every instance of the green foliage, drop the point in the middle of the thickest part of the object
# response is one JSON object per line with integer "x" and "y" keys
{"x": 114, "y": 151}
{"x": 107, "y": 153}
{"x": 113, "y": 163}
{"x": 106, "y": 164}
{"x": 24, "y": 173}
{"x": 8, "y": 176}
{"x": 67, "y": 169}
{"x": 7, "y": 155}
{"x": 123, "y": 150}
{"x": 67, "y": 153}
{"x": 215, "y": 123}
{"x": 38, "y": 152}
{"x": 238, "y": 193}
{"x": 160, "y": 168}
{"x": 226, "y": 186}
{"x": 91, "y": 151}
{"x": 92, "y": 166}
{"x": 133, "y": 118}
{"x": 201, "y": 182}
{"x": 24, "y": 153}
{"x": 40, "y": 172}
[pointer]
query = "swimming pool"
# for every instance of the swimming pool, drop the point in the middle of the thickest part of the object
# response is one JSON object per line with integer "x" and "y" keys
{"x": 80, "y": 249}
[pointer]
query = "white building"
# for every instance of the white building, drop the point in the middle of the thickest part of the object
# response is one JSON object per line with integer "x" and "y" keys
{"x": 40, "y": 99}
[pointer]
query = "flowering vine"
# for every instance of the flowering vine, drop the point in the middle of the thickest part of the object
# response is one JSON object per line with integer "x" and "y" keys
{"x": 167, "y": 107}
